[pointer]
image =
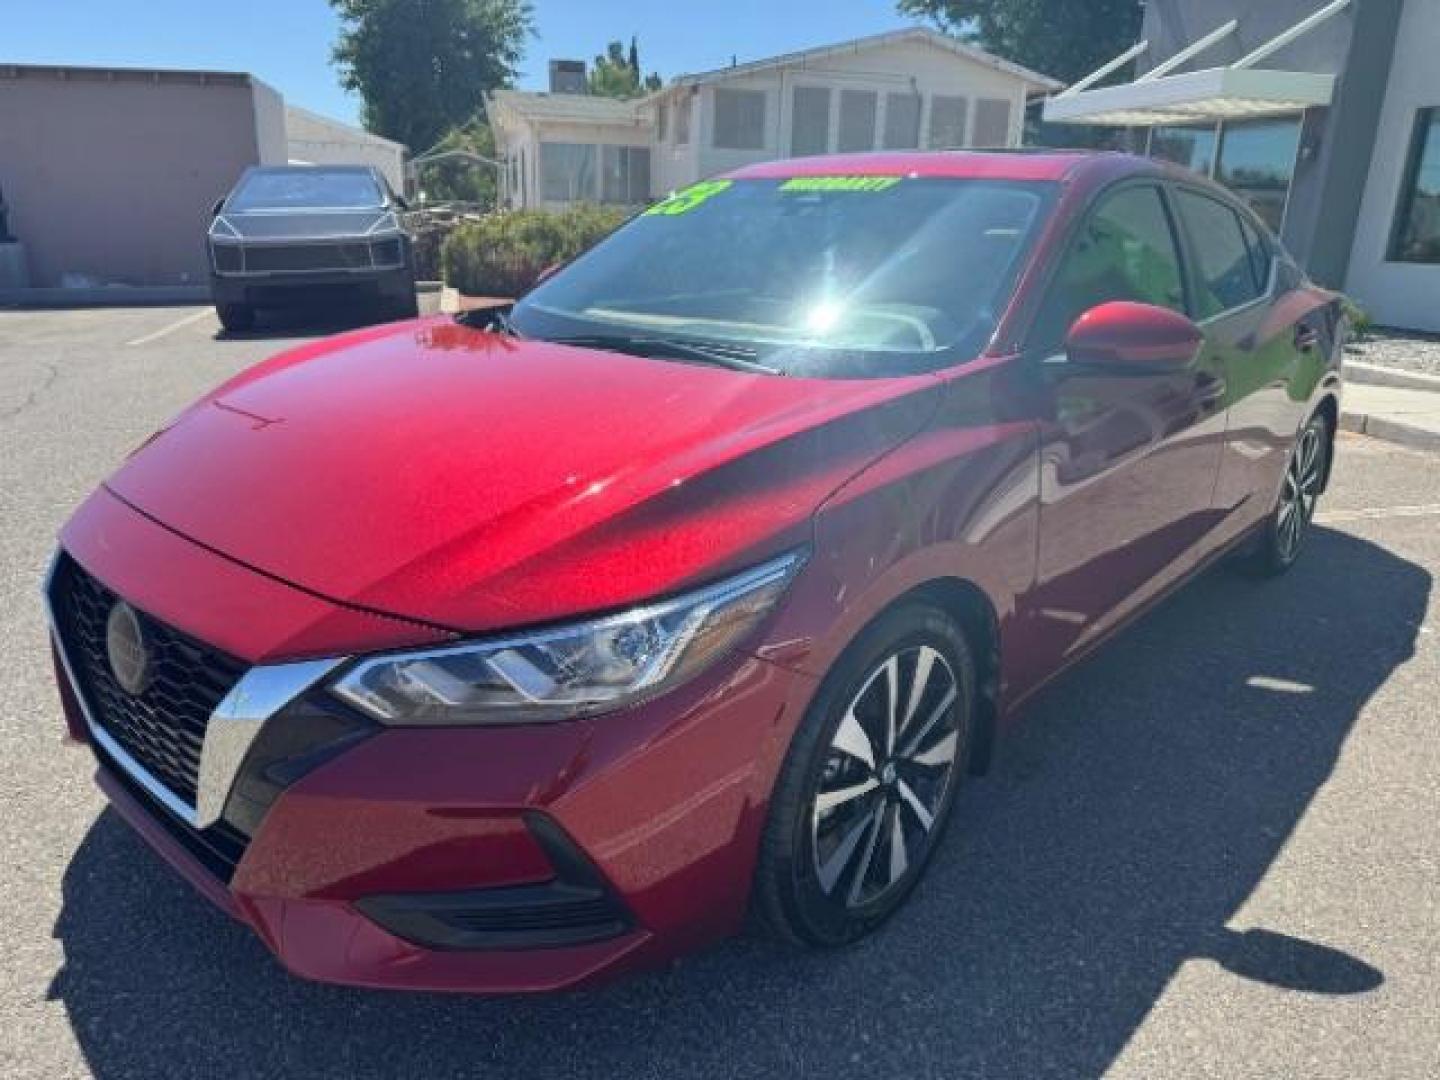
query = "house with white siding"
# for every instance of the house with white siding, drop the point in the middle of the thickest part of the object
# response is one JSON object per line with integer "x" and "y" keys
{"x": 908, "y": 89}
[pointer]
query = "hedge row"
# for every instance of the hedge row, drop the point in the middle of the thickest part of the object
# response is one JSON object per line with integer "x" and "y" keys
{"x": 503, "y": 254}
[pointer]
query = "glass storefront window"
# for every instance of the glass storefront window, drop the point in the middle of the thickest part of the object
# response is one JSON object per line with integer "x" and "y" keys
{"x": 1257, "y": 161}
{"x": 1192, "y": 147}
{"x": 1416, "y": 235}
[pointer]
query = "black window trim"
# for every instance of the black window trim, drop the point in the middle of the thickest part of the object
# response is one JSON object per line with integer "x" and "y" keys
{"x": 1267, "y": 294}
{"x": 1427, "y": 118}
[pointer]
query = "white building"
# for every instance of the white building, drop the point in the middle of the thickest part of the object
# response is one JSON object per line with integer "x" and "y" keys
{"x": 312, "y": 139}
{"x": 909, "y": 89}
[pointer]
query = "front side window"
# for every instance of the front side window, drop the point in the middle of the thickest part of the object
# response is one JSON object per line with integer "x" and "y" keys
{"x": 1416, "y": 233}
{"x": 1126, "y": 250}
{"x": 739, "y": 119}
{"x": 1228, "y": 275}
{"x": 822, "y": 276}
{"x": 306, "y": 188}
{"x": 1257, "y": 161}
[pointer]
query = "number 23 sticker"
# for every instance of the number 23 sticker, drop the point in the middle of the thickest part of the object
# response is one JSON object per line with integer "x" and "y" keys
{"x": 682, "y": 202}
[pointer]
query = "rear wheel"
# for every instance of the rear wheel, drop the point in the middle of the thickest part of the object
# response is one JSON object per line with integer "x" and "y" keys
{"x": 1284, "y": 534}
{"x": 236, "y": 317}
{"x": 868, "y": 784}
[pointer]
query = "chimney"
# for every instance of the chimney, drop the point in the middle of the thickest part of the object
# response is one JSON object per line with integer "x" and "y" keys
{"x": 568, "y": 77}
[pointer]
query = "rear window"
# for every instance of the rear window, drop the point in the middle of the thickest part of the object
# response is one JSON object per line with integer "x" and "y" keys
{"x": 1229, "y": 273}
{"x": 308, "y": 189}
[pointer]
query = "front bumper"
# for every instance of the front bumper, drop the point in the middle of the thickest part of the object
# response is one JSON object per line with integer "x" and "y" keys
{"x": 661, "y": 804}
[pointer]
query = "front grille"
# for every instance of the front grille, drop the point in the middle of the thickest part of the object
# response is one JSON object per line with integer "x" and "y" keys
{"x": 308, "y": 257}
{"x": 162, "y": 727}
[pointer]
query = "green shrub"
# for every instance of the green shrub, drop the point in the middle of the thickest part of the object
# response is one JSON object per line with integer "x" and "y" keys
{"x": 1359, "y": 319}
{"x": 504, "y": 253}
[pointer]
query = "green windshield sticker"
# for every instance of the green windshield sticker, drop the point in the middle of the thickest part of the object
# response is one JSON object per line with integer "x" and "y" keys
{"x": 840, "y": 183}
{"x": 682, "y": 202}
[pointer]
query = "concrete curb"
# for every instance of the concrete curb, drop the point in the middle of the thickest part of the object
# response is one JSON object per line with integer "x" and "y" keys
{"x": 1391, "y": 431}
{"x": 1356, "y": 371}
{"x": 108, "y": 296}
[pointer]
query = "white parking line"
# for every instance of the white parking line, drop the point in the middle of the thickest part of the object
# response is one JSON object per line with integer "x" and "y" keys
{"x": 1424, "y": 510}
{"x": 194, "y": 316}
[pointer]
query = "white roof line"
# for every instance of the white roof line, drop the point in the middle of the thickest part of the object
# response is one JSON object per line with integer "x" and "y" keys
{"x": 911, "y": 33}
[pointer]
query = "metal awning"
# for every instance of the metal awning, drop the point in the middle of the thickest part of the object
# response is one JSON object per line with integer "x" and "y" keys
{"x": 1238, "y": 92}
{"x": 1215, "y": 94}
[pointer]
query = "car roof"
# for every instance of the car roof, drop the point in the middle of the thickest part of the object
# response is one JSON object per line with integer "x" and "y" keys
{"x": 961, "y": 164}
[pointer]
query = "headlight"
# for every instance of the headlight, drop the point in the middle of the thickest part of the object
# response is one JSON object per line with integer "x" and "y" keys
{"x": 574, "y": 671}
{"x": 386, "y": 222}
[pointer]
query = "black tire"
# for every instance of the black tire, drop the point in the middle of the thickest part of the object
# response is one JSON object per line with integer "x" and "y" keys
{"x": 407, "y": 306}
{"x": 792, "y": 899}
{"x": 1282, "y": 537}
{"x": 236, "y": 318}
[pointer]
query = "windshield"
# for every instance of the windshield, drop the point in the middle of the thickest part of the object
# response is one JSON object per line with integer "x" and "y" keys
{"x": 820, "y": 276}
{"x": 307, "y": 188}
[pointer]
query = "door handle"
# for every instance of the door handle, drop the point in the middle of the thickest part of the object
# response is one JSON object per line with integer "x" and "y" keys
{"x": 1306, "y": 338}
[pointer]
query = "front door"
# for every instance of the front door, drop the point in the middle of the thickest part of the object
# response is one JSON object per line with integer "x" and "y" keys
{"x": 1128, "y": 461}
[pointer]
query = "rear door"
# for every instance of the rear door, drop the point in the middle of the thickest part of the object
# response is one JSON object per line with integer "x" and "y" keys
{"x": 1259, "y": 330}
{"x": 1128, "y": 460}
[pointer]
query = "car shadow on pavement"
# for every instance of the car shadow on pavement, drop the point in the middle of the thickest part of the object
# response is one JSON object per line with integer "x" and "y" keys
{"x": 319, "y": 319}
{"x": 1127, "y": 819}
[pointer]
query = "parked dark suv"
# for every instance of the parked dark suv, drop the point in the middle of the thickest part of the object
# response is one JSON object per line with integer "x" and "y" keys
{"x": 301, "y": 233}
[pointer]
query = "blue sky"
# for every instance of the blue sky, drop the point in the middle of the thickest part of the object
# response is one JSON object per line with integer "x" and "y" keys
{"x": 287, "y": 42}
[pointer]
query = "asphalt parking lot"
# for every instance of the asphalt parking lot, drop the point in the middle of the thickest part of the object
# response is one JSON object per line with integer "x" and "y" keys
{"x": 1211, "y": 851}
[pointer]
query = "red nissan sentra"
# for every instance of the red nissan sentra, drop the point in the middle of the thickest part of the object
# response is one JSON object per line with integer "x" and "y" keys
{"x": 513, "y": 651}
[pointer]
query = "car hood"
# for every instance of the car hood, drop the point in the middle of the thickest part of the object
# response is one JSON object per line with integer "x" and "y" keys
{"x": 475, "y": 481}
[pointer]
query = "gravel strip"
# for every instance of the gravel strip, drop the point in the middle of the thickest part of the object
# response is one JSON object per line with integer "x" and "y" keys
{"x": 1408, "y": 352}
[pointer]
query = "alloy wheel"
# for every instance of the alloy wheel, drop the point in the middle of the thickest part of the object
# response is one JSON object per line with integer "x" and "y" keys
{"x": 1303, "y": 477}
{"x": 885, "y": 777}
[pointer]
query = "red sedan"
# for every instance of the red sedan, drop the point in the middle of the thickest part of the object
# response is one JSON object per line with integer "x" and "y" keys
{"x": 512, "y": 651}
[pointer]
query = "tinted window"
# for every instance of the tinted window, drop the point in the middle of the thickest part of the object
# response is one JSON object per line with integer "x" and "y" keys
{"x": 810, "y": 121}
{"x": 947, "y": 122}
{"x": 306, "y": 188}
{"x": 857, "y": 120}
{"x": 1260, "y": 254}
{"x": 902, "y": 121}
{"x": 1416, "y": 233}
{"x": 1125, "y": 251}
{"x": 1257, "y": 159}
{"x": 1193, "y": 147}
{"x": 739, "y": 119}
{"x": 814, "y": 275}
{"x": 1227, "y": 272}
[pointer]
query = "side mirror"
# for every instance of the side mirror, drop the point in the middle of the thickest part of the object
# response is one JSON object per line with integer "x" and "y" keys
{"x": 401, "y": 203}
{"x": 1126, "y": 336}
{"x": 215, "y": 210}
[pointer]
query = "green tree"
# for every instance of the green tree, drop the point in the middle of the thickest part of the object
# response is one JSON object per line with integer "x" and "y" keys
{"x": 1066, "y": 39}
{"x": 422, "y": 67}
{"x": 617, "y": 75}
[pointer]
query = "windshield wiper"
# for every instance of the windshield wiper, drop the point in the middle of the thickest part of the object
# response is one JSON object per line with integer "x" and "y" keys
{"x": 495, "y": 319}
{"x": 672, "y": 348}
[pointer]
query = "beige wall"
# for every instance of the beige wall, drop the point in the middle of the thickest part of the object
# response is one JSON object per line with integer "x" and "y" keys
{"x": 112, "y": 174}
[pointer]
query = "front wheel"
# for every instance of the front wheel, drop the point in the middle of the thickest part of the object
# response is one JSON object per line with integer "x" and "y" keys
{"x": 1283, "y": 536}
{"x": 868, "y": 784}
{"x": 236, "y": 318}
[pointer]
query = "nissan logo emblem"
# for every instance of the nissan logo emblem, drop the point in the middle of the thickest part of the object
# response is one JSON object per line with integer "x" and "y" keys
{"x": 125, "y": 648}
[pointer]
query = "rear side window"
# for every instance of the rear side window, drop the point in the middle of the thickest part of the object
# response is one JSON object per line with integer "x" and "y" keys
{"x": 1229, "y": 274}
{"x": 1125, "y": 251}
